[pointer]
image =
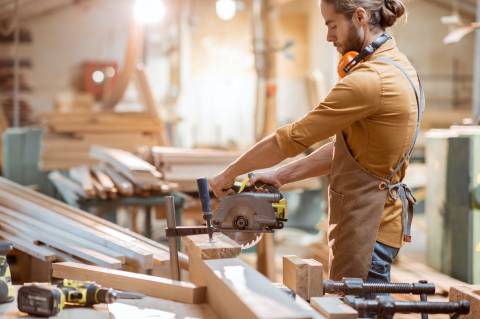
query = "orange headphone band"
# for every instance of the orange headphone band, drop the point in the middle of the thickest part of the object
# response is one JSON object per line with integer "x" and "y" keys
{"x": 352, "y": 58}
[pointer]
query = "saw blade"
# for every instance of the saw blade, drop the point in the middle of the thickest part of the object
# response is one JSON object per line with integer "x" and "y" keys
{"x": 237, "y": 217}
{"x": 244, "y": 239}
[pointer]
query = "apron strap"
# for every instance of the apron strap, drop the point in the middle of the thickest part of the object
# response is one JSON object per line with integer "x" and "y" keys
{"x": 401, "y": 190}
{"x": 404, "y": 193}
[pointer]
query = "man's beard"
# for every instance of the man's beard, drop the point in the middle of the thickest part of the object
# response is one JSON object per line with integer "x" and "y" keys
{"x": 354, "y": 40}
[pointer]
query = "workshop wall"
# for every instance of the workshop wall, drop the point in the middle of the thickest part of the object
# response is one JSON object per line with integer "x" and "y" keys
{"x": 218, "y": 78}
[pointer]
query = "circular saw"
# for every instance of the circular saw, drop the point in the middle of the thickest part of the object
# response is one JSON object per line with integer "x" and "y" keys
{"x": 243, "y": 216}
{"x": 250, "y": 212}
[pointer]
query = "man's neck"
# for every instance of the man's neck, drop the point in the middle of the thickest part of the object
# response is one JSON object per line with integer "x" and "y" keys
{"x": 371, "y": 36}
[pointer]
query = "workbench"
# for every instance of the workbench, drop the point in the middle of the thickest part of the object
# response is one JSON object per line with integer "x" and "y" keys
{"x": 108, "y": 208}
{"x": 147, "y": 307}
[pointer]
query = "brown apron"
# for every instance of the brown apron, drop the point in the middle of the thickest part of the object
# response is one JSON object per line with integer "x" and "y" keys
{"x": 357, "y": 199}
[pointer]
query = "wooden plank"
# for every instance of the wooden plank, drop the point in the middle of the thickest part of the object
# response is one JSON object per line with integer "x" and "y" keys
{"x": 82, "y": 175}
{"x": 59, "y": 233}
{"x": 221, "y": 246}
{"x": 470, "y": 293}
{"x": 42, "y": 253}
{"x": 123, "y": 185}
{"x": 106, "y": 182}
{"x": 136, "y": 255}
{"x": 123, "y": 280}
{"x": 63, "y": 182}
{"x": 235, "y": 290}
{"x": 295, "y": 275}
{"x": 134, "y": 245}
{"x": 333, "y": 308}
{"x": 315, "y": 278}
{"x": 99, "y": 189}
{"x": 266, "y": 256}
{"x": 77, "y": 250}
{"x": 145, "y": 90}
{"x": 199, "y": 247}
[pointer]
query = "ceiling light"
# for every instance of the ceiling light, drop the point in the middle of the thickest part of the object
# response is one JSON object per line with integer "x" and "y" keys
{"x": 149, "y": 11}
{"x": 226, "y": 9}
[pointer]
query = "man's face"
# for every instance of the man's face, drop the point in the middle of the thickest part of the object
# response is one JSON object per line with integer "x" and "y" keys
{"x": 342, "y": 32}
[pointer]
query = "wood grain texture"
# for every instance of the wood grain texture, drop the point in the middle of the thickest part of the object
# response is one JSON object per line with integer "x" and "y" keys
{"x": 123, "y": 280}
{"x": 235, "y": 290}
{"x": 333, "y": 308}
{"x": 470, "y": 293}
{"x": 295, "y": 275}
{"x": 199, "y": 246}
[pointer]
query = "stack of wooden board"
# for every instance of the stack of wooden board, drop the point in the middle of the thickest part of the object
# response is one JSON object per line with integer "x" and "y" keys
{"x": 50, "y": 230}
{"x": 68, "y": 137}
{"x": 120, "y": 173}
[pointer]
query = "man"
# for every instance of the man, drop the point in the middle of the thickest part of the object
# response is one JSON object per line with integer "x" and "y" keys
{"x": 374, "y": 113}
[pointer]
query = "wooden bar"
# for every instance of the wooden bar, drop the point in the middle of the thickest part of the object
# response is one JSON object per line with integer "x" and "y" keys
{"x": 123, "y": 280}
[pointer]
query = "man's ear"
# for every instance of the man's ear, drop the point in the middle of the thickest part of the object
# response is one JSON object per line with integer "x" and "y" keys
{"x": 360, "y": 17}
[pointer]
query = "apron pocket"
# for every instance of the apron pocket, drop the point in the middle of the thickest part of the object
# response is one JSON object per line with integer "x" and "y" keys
{"x": 335, "y": 214}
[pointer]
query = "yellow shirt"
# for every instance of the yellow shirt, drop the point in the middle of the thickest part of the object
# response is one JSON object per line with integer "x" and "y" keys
{"x": 376, "y": 109}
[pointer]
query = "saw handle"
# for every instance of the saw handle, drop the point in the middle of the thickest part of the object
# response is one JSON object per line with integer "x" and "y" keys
{"x": 204, "y": 194}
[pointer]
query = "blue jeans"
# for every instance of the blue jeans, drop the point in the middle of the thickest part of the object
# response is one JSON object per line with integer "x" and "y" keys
{"x": 382, "y": 258}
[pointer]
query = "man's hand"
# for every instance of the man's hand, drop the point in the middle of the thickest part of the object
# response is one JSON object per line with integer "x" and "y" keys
{"x": 220, "y": 184}
{"x": 268, "y": 177}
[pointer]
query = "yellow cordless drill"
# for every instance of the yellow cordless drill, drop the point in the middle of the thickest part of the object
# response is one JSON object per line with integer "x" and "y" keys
{"x": 6, "y": 288}
{"x": 47, "y": 300}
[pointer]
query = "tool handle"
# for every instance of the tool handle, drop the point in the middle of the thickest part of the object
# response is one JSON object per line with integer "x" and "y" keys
{"x": 204, "y": 194}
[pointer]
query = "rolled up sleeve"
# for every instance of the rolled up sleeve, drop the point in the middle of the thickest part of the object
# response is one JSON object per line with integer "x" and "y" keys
{"x": 355, "y": 97}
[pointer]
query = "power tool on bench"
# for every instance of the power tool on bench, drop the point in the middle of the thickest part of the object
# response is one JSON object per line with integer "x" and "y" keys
{"x": 243, "y": 216}
{"x": 48, "y": 300}
{"x": 6, "y": 288}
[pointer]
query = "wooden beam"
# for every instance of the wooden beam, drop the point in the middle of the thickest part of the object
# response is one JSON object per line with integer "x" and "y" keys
{"x": 199, "y": 246}
{"x": 266, "y": 257}
{"x": 315, "y": 278}
{"x": 49, "y": 230}
{"x": 40, "y": 252}
{"x": 470, "y": 293}
{"x": 75, "y": 249}
{"x": 295, "y": 275}
{"x": 123, "y": 280}
{"x": 137, "y": 248}
{"x": 82, "y": 175}
{"x": 235, "y": 290}
{"x": 145, "y": 90}
{"x": 124, "y": 186}
{"x": 333, "y": 308}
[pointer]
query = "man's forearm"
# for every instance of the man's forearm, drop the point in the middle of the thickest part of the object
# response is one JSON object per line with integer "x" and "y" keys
{"x": 265, "y": 153}
{"x": 316, "y": 164}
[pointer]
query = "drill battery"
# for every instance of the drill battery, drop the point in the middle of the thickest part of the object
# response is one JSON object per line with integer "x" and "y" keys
{"x": 46, "y": 300}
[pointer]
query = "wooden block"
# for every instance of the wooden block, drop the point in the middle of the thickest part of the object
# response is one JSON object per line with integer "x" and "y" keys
{"x": 333, "y": 308}
{"x": 470, "y": 293}
{"x": 123, "y": 280}
{"x": 199, "y": 246}
{"x": 235, "y": 290}
{"x": 295, "y": 275}
{"x": 315, "y": 278}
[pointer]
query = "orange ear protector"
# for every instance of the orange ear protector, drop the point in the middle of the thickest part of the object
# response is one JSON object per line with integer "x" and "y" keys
{"x": 352, "y": 58}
